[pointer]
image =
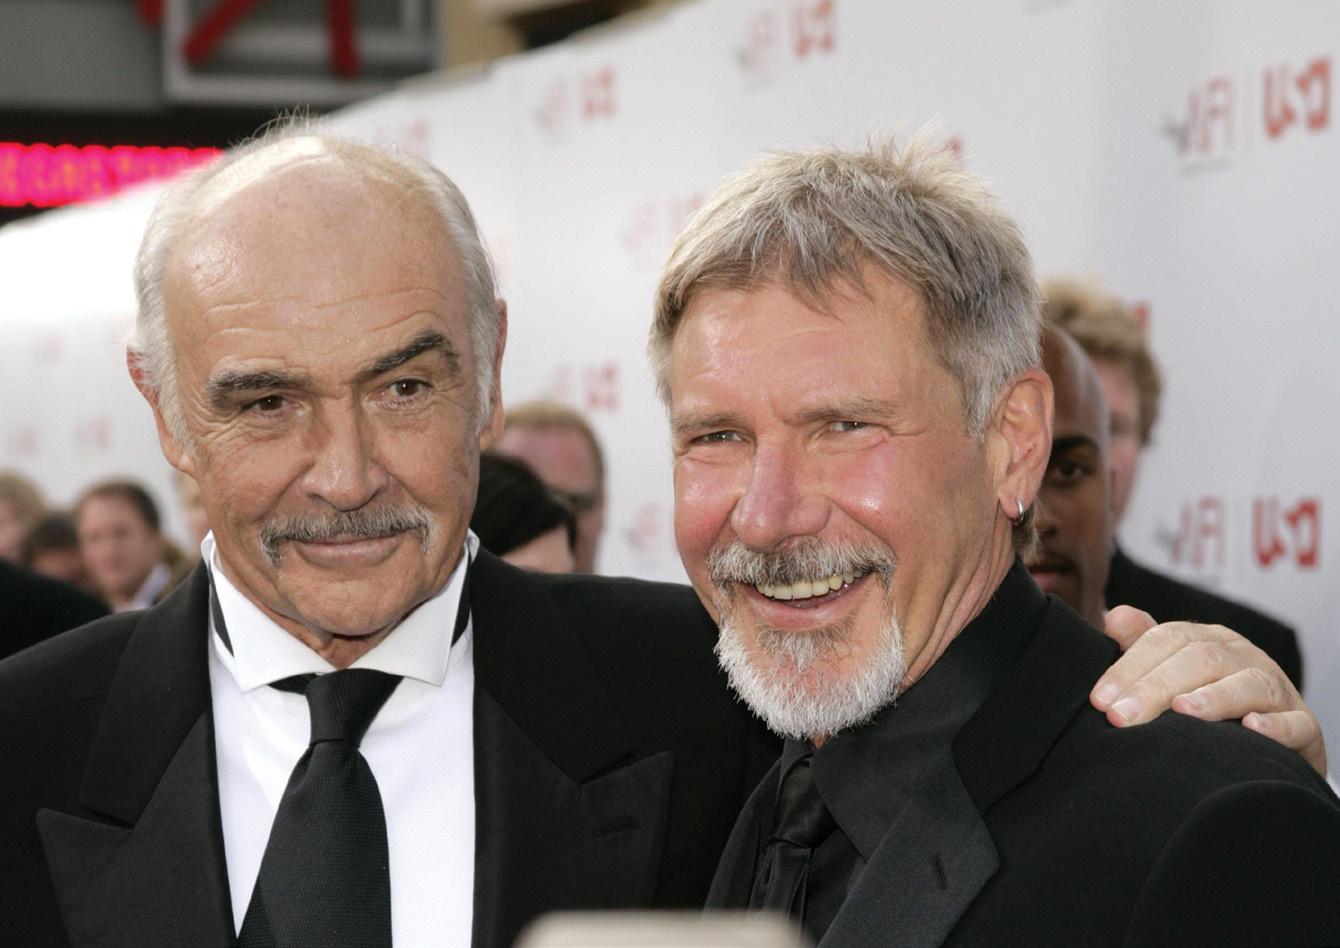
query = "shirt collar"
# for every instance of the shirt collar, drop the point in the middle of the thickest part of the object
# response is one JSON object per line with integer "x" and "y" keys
{"x": 866, "y": 774}
{"x": 263, "y": 652}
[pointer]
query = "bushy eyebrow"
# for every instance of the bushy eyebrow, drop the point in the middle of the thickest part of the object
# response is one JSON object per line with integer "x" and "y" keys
{"x": 1070, "y": 442}
{"x": 689, "y": 423}
{"x": 221, "y": 391}
{"x": 851, "y": 409}
{"x": 427, "y": 341}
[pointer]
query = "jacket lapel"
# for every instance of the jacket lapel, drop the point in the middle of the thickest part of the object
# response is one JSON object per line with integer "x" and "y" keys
{"x": 565, "y": 817}
{"x": 143, "y": 862}
{"x": 938, "y": 855}
{"x": 734, "y": 878}
{"x": 932, "y": 863}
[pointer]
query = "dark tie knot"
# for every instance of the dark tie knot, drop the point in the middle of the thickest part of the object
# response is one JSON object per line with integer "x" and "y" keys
{"x": 802, "y": 818}
{"x": 343, "y": 703}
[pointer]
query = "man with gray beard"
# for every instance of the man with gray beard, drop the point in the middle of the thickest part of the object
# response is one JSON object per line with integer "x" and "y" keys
{"x": 847, "y": 344}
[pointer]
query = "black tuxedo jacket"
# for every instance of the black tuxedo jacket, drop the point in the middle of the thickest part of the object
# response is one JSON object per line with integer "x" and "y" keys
{"x": 610, "y": 761}
{"x": 1043, "y": 825}
{"x": 1167, "y": 600}
{"x": 33, "y": 608}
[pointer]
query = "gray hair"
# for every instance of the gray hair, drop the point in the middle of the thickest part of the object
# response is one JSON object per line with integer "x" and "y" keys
{"x": 150, "y": 344}
{"x": 810, "y": 221}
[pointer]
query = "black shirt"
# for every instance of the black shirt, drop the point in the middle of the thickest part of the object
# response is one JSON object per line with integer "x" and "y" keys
{"x": 865, "y": 774}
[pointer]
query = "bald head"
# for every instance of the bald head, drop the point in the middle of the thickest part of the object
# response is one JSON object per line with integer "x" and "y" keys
{"x": 301, "y": 181}
{"x": 1074, "y": 504}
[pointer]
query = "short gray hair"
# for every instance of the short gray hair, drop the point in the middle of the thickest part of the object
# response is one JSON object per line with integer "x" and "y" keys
{"x": 150, "y": 344}
{"x": 810, "y": 221}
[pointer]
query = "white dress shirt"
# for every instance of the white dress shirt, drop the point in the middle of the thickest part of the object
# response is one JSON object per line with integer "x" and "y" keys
{"x": 420, "y": 748}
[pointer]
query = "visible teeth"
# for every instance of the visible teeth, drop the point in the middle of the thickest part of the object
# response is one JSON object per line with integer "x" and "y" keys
{"x": 808, "y": 588}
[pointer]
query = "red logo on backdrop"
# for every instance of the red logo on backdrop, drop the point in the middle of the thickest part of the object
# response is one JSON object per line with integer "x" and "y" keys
{"x": 654, "y": 225}
{"x": 51, "y": 175}
{"x": 1141, "y": 310}
{"x": 48, "y": 347}
{"x": 1199, "y": 540}
{"x": 1287, "y": 534}
{"x": 1295, "y": 100}
{"x": 814, "y": 27}
{"x": 1301, "y": 97}
{"x": 590, "y": 97}
{"x": 810, "y": 30}
{"x": 560, "y": 387}
{"x": 23, "y": 442}
{"x": 601, "y": 387}
{"x": 94, "y": 435}
{"x": 1207, "y": 131}
{"x": 643, "y": 533}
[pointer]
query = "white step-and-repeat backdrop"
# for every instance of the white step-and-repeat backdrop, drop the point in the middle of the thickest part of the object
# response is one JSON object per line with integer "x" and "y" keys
{"x": 1183, "y": 152}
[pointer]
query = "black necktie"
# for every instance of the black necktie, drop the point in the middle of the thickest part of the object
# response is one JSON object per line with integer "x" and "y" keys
{"x": 324, "y": 878}
{"x": 801, "y": 823}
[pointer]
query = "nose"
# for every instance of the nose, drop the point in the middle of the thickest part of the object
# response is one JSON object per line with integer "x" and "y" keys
{"x": 1043, "y": 519}
{"x": 783, "y": 498}
{"x": 346, "y": 470}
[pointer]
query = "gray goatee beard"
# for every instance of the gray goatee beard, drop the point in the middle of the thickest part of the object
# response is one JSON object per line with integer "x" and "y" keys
{"x": 786, "y": 677}
{"x": 364, "y": 523}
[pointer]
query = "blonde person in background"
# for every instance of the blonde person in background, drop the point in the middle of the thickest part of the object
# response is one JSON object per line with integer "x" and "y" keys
{"x": 21, "y": 505}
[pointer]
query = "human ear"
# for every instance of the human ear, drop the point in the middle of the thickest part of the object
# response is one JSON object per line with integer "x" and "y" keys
{"x": 493, "y": 425}
{"x": 1019, "y": 441}
{"x": 173, "y": 449}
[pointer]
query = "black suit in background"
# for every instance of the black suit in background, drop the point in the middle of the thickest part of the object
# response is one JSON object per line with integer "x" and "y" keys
{"x": 1168, "y": 600}
{"x": 610, "y": 760}
{"x": 33, "y": 608}
{"x": 1039, "y": 824}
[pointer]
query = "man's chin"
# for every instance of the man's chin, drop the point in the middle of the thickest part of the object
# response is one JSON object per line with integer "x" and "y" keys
{"x": 807, "y": 691}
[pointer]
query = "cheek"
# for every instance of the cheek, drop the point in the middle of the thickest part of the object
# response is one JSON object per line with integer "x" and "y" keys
{"x": 703, "y": 503}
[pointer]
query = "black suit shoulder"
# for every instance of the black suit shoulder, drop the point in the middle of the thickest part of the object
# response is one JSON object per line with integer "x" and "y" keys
{"x": 652, "y": 646}
{"x": 1100, "y": 835}
{"x": 33, "y": 608}
{"x": 1168, "y": 599}
{"x": 75, "y": 666}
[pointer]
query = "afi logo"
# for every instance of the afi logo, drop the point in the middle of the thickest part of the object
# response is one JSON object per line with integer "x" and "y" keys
{"x": 1207, "y": 131}
{"x": 602, "y": 387}
{"x": 23, "y": 442}
{"x": 94, "y": 435}
{"x": 49, "y": 347}
{"x": 643, "y": 533}
{"x": 814, "y": 27}
{"x": 1199, "y": 540}
{"x": 1286, "y": 534}
{"x": 598, "y": 94}
{"x": 1290, "y": 97}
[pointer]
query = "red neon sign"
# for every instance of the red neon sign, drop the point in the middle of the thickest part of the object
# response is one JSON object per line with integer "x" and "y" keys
{"x": 50, "y": 175}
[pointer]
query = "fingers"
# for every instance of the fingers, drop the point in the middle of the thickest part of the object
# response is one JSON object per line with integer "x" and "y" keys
{"x": 1296, "y": 730}
{"x": 1125, "y": 624}
{"x": 1138, "y": 687}
{"x": 1238, "y": 694}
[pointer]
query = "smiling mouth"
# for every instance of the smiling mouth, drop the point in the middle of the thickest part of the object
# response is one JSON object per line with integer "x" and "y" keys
{"x": 810, "y": 592}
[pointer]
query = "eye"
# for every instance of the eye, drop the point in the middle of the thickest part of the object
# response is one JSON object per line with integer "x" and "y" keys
{"x": 1067, "y": 471}
{"x": 718, "y": 437}
{"x": 407, "y": 388}
{"x": 848, "y": 426}
{"x": 269, "y": 405}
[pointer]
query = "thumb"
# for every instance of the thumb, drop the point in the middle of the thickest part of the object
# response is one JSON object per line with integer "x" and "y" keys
{"x": 1125, "y": 624}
